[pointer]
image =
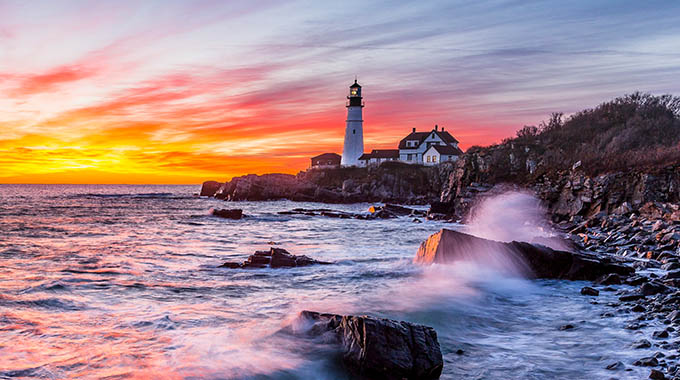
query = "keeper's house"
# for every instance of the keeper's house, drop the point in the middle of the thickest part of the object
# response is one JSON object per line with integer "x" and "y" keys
{"x": 429, "y": 148}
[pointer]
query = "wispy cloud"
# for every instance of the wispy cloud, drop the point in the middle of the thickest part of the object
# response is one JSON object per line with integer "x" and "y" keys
{"x": 214, "y": 89}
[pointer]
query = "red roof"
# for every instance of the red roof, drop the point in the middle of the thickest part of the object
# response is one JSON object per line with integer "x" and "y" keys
{"x": 381, "y": 153}
{"x": 447, "y": 150}
{"x": 327, "y": 156}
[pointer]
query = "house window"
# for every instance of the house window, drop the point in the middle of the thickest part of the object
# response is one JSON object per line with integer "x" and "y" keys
{"x": 428, "y": 158}
{"x": 434, "y": 158}
{"x": 354, "y": 131}
{"x": 409, "y": 157}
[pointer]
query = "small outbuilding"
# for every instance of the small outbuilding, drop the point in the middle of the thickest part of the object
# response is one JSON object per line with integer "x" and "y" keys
{"x": 326, "y": 160}
{"x": 378, "y": 156}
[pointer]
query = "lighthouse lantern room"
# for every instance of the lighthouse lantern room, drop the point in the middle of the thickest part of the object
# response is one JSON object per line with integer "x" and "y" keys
{"x": 353, "y": 147}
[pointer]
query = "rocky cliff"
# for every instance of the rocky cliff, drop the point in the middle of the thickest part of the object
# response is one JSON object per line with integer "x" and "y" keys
{"x": 568, "y": 192}
{"x": 391, "y": 182}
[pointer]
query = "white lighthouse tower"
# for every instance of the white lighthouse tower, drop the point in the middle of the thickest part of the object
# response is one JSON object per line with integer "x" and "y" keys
{"x": 354, "y": 129}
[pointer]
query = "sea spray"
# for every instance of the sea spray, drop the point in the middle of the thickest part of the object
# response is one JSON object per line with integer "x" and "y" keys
{"x": 510, "y": 216}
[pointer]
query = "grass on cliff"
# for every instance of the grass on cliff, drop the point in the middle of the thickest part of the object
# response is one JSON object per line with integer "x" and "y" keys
{"x": 633, "y": 131}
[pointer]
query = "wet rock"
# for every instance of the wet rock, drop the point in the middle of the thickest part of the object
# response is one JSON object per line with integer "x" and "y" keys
{"x": 652, "y": 288}
{"x": 447, "y": 246}
{"x": 638, "y": 309}
{"x": 228, "y": 213}
{"x": 674, "y": 316}
{"x": 616, "y": 366}
{"x": 657, "y": 375}
{"x": 274, "y": 258}
{"x": 671, "y": 266}
{"x": 209, "y": 188}
{"x": 643, "y": 343}
{"x": 442, "y": 208}
{"x": 660, "y": 334}
{"x": 566, "y": 327}
{"x": 636, "y": 280}
{"x": 374, "y": 348}
{"x": 610, "y": 279}
{"x": 393, "y": 211}
{"x": 647, "y": 362}
{"x": 631, "y": 297}
{"x": 325, "y": 212}
{"x": 588, "y": 291}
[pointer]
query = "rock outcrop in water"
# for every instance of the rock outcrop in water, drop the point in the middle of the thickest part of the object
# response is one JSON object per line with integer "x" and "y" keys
{"x": 374, "y": 348}
{"x": 228, "y": 213}
{"x": 447, "y": 246}
{"x": 388, "y": 211}
{"x": 274, "y": 258}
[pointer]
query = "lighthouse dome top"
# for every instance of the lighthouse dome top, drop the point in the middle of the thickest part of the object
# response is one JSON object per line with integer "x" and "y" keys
{"x": 355, "y": 85}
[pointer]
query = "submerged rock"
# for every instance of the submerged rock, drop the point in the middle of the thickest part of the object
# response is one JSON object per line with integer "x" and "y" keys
{"x": 447, "y": 246}
{"x": 274, "y": 258}
{"x": 376, "y": 348}
{"x": 228, "y": 213}
{"x": 616, "y": 366}
{"x": 588, "y": 291}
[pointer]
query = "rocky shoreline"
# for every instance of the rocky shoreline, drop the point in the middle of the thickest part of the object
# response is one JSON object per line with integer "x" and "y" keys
{"x": 629, "y": 220}
{"x": 651, "y": 297}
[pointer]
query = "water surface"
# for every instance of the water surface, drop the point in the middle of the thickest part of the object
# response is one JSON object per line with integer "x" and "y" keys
{"x": 122, "y": 282}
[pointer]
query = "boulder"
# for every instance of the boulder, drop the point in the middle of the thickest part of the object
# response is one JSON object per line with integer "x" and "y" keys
{"x": 534, "y": 261}
{"x": 376, "y": 348}
{"x": 610, "y": 279}
{"x": 653, "y": 287}
{"x": 445, "y": 208}
{"x": 274, "y": 258}
{"x": 588, "y": 291}
{"x": 209, "y": 188}
{"x": 228, "y": 213}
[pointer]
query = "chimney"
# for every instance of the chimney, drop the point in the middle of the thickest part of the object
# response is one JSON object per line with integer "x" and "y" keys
{"x": 414, "y": 129}
{"x": 435, "y": 127}
{"x": 442, "y": 129}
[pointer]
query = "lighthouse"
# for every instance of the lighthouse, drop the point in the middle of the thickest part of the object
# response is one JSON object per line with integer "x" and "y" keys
{"x": 354, "y": 128}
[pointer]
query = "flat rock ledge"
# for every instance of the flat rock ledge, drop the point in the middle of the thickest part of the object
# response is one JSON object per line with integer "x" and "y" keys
{"x": 447, "y": 246}
{"x": 274, "y": 258}
{"x": 376, "y": 348}
{"x": 388, "y": 211}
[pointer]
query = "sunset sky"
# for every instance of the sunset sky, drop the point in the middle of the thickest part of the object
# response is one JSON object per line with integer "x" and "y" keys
{"x": 184, "y": 91}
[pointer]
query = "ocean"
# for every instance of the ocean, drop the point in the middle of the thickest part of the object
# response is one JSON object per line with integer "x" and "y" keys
{"x": 122, "y": 282}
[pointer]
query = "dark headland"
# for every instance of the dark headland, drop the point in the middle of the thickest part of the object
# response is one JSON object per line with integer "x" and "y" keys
{"x": 609, "y": 178}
